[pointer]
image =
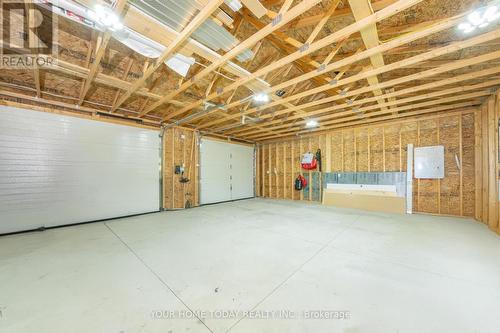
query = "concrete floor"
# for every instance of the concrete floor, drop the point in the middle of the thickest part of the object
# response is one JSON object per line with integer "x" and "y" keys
{"x": 385, "y": 273}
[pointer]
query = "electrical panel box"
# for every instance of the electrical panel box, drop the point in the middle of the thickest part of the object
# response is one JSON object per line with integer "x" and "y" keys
{"x": 429, "y": 162}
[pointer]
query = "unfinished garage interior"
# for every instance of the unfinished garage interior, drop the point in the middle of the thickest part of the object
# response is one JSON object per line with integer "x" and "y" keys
{"x": 249, "y": 166}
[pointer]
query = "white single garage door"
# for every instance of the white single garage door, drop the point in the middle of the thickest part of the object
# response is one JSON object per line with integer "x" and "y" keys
{"x": 226, "y": 171}
{"x": 57, "y": 170}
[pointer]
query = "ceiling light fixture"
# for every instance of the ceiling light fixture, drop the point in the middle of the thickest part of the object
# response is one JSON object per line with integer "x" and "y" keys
{"x": 105, "y": 17}
{"x": 311, "y": 123}
{"x": 479, "y": 19}
{"x": 261, "y": 98}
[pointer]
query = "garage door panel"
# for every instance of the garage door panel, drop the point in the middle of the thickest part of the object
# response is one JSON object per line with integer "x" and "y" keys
{"x": 215, "y": 184}
{"x": 242, "y": 161}
{"x": 57, "y": 170}
{"x": 226, "y": 171}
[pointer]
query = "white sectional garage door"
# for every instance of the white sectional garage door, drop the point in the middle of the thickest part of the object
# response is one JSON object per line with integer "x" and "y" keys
{"x": 57, "y": 170}
{"x": 226, "y": 171}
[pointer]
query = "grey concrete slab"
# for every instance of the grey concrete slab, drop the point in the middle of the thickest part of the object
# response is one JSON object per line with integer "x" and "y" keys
{"x": 236, "y": 262}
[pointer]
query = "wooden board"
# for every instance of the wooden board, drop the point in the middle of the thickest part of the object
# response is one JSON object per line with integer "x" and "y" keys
{"x": 375, "y": 203}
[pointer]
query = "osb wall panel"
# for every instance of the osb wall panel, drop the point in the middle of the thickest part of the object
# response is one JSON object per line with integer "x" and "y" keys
{"x": 349, "y": 152}
{"x": 376, "y": 149}
{"x": 337, "y": 157}
{"x": 391, "y": 148}
{"x": 383, "y": 148}
{"x": 427, "y": 189}
{"x": 362, "y": 157}
{"x": 288, "y": 174}
{"x": 180, "y": 147}
{"x": 468, "y": 156}
{"x": 449, "y": 187}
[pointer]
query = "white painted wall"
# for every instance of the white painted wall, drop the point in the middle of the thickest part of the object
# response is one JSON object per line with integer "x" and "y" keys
{"x": 57, "y": 170}
{"x": 226, "y": 171}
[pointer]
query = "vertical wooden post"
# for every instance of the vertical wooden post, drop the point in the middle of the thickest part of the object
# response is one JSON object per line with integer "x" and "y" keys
{"x": 301, "y": 152}
{"x": 342, "y": 151}
{"x": 355, "y": 151}
{"x": 311, "y": 188}
{"x": 196, "y": 169}
{"x": 164, "y": 166}
{"x": 460, "y": 144}
{"x": 284, "y": 170}
{"x": 400, "y": 152}
{"x": 269, "y": 177}
{"x": 484, "y": 131}
{"x": 292, "y": 155}
{"x": 439, "y": 180}
{"x": 328, "y": 148}
{"x": 172, "y": 166}
{"x": 418, "y": 180}
{"x": 383, "y": 147}
{"x": 497, "y": 178}
{"x": 184, "y": 165}
{"x": 369, "y": 150}
{"x": 492, "y": 164}
{"x": 257, "y": 171}
{"x": 478, "y": 167}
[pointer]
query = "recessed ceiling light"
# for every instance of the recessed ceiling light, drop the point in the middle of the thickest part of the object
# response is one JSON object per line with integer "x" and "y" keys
{"x": 261, "y": 98}
{"x": 105, "y": 17}
{"x": 479, "y": 19}
{"x": 311, "y": 123}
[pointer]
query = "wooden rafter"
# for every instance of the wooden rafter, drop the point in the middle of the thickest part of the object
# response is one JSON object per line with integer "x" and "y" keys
{"x": 369, "y": 35}
{"x": 124, "y": 77}
{"x": 445, "y": 68}
{"x": 33, "y": 41}
{"x": 346, "y": 61}
{"x": 287, "y": 17}
{"x": 101, "y": 46}
{"x": 328, "y": 40}
{"x": 346, "y": 11}
{"x": 207, "y": 10}
{"x": 388, "y": 115}
{"x": 434, "y": 100}
{"x": 331, "y": 87}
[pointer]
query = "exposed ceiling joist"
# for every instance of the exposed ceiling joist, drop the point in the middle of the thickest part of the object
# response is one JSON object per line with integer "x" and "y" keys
{"x": 362, "y": 55}
{"x": 300, "y": 8}
{"x": 169, "y": 51}
{"x": 328, "y": 40}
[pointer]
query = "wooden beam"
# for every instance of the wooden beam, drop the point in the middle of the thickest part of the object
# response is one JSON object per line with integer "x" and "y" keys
{"x": 249, "y": 42}
{"x": 394, "y": 104}
{"x": 445, "y": 109}
{"x": 319, "y": 26}
{"x": 346, "y": 11}
{"x": 124, "y": 77}
{"x": 335, "y": 37}
{"x": 78, "y": 109}
{"x": 102, "y": 44}
{"x": 255, "y": 7}
{"x": 492, "y": 123}
{"x": 206, "y": 12}
{"x": 331, "y": 121}
{"x": 445, "y": 24}
{"x": 416, "y": 59}
{"x": 33, "y": 41}
{"x": 360, "y": 10}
